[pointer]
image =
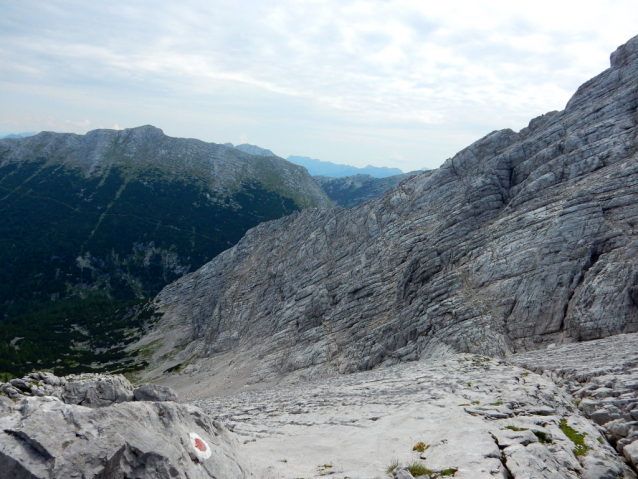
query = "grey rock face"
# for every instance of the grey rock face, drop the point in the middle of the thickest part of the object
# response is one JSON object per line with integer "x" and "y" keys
{"x": 98, "y": 392}
{"x": 519, "y": 241}
{"x": 45, "y": 437}
{"x": 89, "y": 390}
{"x": 154, "y": 392}
{"x": 476, "y": 416}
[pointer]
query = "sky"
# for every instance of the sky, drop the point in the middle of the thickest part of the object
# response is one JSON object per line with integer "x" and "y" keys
{"x": 398, "y": 83}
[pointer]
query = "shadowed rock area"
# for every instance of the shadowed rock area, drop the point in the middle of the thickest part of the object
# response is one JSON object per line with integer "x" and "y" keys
{"x": 519, "y": 241}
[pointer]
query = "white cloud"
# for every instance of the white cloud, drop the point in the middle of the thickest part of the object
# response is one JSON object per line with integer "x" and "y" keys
{"x": 354, "y": 79}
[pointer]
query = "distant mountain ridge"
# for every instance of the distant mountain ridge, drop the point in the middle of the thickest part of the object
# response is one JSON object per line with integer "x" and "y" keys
{"x": 322, "y": 168}
{"x": 345, "y": 185}
{"x": 327, "y": 168}
{"x": 18, "y": 135}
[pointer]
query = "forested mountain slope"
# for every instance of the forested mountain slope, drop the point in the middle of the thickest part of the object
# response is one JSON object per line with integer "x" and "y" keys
{"x": 92, "y": 223}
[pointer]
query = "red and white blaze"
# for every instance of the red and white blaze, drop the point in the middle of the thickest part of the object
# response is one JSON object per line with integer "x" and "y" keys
{"x": 202, "y": 449}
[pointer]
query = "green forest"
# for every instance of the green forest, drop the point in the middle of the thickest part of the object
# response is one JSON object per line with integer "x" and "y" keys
{"x": 81, "y": 254}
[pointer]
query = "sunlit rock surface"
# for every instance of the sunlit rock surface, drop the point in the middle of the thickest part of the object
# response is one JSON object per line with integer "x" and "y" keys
{"x": 479, "y": 417}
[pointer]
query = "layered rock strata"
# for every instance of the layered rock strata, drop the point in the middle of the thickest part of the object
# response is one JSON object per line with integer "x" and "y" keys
{"x": 519, "y": 241}
{"x": 88, "y": 427}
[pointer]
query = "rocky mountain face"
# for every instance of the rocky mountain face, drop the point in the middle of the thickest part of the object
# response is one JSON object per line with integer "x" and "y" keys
{"x": 98, "y": 426}
{"x": 520, "y": 241}
{"x": 94, "y": 223}
{"x": 349, "y": 191}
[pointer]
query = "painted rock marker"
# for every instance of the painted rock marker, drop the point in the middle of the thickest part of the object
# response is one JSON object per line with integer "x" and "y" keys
{"x": 202, "y": 449}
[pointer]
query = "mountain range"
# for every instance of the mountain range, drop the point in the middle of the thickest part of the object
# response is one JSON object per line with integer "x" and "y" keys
{"x": 323, "y": 168}
{"x": 18, "y": 135}
{"x": 326, "y": 168}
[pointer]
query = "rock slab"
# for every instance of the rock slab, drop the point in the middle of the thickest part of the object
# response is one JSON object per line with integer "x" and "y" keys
{"x": 111, "y": 436}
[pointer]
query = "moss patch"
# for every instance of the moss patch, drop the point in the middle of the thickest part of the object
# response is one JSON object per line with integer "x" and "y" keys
{"x": 578, "y": 438}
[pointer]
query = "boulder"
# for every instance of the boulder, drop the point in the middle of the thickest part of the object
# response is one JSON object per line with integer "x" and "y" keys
{"x": 154, "y": 392}
{"x": 94, "y": 430}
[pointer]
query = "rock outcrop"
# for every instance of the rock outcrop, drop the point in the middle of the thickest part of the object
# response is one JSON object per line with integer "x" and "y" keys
{"x": 519, "y": 241}
{"x": 47, "y": 431}
{"x": 602, "y": 378}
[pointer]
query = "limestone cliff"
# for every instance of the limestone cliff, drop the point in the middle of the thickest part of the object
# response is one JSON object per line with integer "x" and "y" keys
{"x": 518, "y": 241}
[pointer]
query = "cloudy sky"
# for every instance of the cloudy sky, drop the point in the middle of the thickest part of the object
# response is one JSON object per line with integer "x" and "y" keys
{"x": 404, "y": 83}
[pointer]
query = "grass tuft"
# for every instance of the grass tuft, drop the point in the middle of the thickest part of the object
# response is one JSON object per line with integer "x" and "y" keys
{"x": 542, "y": 437}
{"x": 514, "y": 428}
{"x": 418, "y": 469}
{"x": 450, "y": 471}
{"x": 576, "y": 437}
{"x": 420, "y": 447}
{"x": 393, "y": 465}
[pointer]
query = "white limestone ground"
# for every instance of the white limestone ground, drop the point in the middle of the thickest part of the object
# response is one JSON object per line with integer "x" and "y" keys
{"x": 356, "y": 426}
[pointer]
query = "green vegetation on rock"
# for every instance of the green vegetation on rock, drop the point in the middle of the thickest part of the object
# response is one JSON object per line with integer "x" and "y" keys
{"x": 576, "y": 437}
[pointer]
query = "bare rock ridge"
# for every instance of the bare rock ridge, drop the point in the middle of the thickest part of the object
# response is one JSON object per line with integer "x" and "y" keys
{"x": 519, "y": 241}
{"x": 89, "y": 427}
{"x": 147, "y": 147}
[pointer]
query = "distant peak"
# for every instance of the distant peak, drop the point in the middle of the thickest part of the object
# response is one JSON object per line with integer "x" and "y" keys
{"x": 254, "y": 150}
{"x": 625, "y": 54}
{"x": 146, "y": 129}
